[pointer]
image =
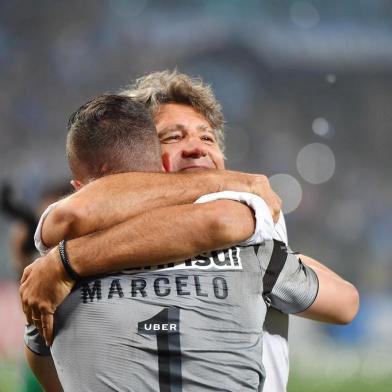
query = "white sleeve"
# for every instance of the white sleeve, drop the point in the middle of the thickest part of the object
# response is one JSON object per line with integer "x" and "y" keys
{"x": 280, "y": 232}
{"x": 41, "y": 247}
{"x": 264, "y": 224}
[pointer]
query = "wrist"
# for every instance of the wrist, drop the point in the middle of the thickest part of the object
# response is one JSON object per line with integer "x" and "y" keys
{"x": 65, "y": 261}
{"x": 57, "y": 266}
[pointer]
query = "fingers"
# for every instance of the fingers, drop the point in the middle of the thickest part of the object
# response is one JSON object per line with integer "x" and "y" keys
{"x": 47, "y": 328}
{"x": 25, "y": 304}
{"x": 261, "y": 187}
{"x": 26, "y": 273}
{"x": 44, "y": 323}
{"x": 23, "y": 299}
{"x": 39, "y": 314}
{"x": 41, "y": 291}
{"x": 28, "y": 314}
{"x": 36, "y": 321}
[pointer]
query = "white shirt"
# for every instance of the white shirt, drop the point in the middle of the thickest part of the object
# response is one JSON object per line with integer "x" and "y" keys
{"x": 275, "y": 339}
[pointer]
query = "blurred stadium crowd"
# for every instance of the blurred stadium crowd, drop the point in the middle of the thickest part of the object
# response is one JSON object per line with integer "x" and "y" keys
{"x": 306, "y": 88}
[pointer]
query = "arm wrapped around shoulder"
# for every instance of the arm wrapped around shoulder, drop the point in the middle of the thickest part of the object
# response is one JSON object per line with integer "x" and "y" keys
{"x": 313, "y": 292}
{"x": 288, "y": 284}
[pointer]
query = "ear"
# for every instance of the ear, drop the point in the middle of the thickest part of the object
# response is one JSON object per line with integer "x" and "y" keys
{"x": 166, "y": 162}
{"x": 104, "y": 169}
{"x": 76, "y": 184}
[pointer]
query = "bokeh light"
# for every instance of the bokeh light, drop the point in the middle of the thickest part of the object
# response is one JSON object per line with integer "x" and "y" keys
{"x": 304, "y": 14}
{"x": 316, "y": 163}
{"x": 320, "y": 126}
{"x": 289, "y": 190}
{"x": 330, "y": 78}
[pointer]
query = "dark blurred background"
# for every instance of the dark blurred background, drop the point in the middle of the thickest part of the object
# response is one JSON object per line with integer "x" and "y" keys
{"x": 306, "y": 88}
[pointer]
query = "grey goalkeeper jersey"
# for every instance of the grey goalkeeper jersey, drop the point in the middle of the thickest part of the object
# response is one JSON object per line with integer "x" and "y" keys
{"x": 193, "y": 326}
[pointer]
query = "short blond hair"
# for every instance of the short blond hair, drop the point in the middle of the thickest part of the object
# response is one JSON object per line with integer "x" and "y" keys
{"x": 158, "y": 88}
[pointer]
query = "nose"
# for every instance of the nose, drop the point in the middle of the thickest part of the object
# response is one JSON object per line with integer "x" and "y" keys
{"x": 194, "y": 150}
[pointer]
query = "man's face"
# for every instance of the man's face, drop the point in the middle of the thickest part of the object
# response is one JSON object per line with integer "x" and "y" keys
{"x": 188, "y": 142}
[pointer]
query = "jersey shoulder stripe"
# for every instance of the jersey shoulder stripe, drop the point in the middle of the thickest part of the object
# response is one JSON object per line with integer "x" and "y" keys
{"x": 275, "y": 266}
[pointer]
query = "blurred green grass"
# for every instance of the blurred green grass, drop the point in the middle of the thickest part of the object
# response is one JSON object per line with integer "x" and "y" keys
{"x": 14, "y": 377}
{"x": 298, "y": 382}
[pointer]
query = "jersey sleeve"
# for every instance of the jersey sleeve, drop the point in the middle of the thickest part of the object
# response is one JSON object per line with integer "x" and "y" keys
{"x": 35, "y": 342}
{"x": 288, "y": 284}
{"x": 41, "y": 247}
{"x": 265, "y": 227}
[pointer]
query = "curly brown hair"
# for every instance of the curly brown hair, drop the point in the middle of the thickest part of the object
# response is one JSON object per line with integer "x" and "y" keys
{"x": 158, "y": 88}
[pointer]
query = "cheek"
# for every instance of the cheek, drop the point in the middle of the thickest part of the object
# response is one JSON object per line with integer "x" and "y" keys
{"x": 218, "y": 160}
{"x": 170, "y": 149}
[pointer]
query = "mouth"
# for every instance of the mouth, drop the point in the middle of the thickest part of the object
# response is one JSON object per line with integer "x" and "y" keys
{"x": 195, "y": 168}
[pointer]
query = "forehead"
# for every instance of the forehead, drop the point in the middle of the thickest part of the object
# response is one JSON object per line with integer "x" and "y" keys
{"x": 180, "y": 115}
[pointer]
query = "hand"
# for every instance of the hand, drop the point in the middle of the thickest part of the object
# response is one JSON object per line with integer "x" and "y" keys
{"x": 261, "y": 187}
{"x": 257, "y": 184}
{"x": 44, "y": 286}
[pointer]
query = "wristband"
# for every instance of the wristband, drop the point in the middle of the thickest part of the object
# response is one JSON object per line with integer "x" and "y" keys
{"x": 64, "y": 259}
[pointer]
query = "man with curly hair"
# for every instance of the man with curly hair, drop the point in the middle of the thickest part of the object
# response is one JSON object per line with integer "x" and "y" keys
{"x": 190, "y": 128}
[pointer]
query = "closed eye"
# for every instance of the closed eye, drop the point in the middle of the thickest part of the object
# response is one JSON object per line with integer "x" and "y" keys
{"x": 207, "y": 138}
{"x": 171, "y": 138}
